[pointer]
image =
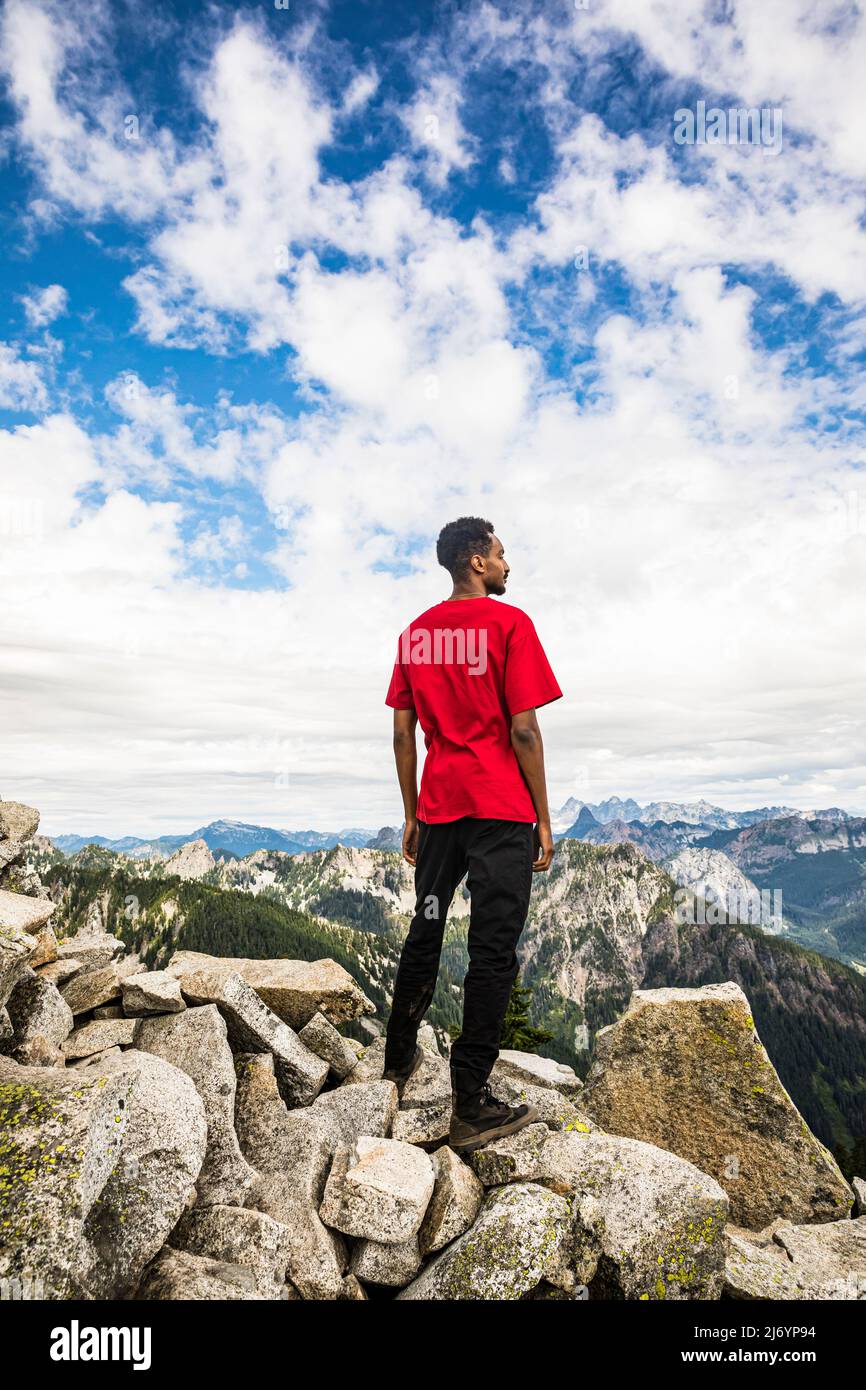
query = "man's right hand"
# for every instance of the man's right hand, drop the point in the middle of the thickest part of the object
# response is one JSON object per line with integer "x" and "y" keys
{"x": 543, "y": 848}
{"x": 410, "y": 842}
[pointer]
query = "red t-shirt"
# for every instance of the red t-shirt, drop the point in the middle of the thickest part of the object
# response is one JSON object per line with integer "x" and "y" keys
{"x": 466, "y": 666}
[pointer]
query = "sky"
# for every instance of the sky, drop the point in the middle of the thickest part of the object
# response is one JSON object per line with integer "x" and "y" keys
{"x": 286, "y": 289}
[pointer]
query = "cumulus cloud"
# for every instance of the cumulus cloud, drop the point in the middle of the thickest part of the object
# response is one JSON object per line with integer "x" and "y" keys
{"x": 205, "y": 590}
{"x": 21, "y": 383}
{"x": 44, "y": 305}
{"x": 162, "y": 436}
{"x": 87, "y": 157}
{"x": 433, "y": 122}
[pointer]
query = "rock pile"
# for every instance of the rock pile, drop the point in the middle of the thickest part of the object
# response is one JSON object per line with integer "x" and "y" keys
{"x": 207, "y": 1131}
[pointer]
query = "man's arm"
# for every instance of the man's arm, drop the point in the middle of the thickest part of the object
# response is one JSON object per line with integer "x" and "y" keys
{"x": 527, "y": 744}
{"x": 406, "y": 757}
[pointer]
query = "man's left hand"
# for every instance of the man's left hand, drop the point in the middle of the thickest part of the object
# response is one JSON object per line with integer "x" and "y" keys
{"x": 543, "y": 849}
{"x": 410, "y": 842}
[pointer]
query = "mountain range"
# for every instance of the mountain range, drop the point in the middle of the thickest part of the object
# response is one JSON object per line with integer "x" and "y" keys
{"x": 812, "y": 866}
{"x": 231, "y": 836}
{"x": 697, "y": 813}
{"x": 571, "y": 821}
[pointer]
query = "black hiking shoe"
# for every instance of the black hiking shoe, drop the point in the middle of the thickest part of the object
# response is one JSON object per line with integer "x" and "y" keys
{"x": 401, "y": 1077}
{"x": 486, "y": 1119}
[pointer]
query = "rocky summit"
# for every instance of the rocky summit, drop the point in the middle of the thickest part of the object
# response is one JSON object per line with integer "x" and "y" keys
{"x": 209, "y": 1131}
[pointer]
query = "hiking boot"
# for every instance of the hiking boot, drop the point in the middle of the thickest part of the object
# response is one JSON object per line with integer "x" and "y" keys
{"x": 487, "y": 1118}
{"x": 400, "y": 1077}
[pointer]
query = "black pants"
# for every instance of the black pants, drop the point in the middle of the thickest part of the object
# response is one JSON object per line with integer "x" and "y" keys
{"x": 496, "y": 856}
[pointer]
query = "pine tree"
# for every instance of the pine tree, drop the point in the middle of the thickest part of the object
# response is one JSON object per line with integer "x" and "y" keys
{"x": 518, "y": 1034}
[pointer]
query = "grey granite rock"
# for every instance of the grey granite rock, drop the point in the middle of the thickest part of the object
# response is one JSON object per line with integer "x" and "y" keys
{"x": 94, "y": 949}
{"x": 20, "y": 910}
{"x": 390, "y": 1266}
{"x": 294, "y": 990}
{"x": 510, "y": 1248}
{"x": 557, "y": 1111}
{"x": 686, "y": 1070}
{"x": 41, "y": 1021}
{"x": 93, "y": 986}
{"x": 17, "y": 821}
{"x": 197, "y": 1042}
{"x": 322, "y": 1037}
{"x": 648, "y": 1224}
{"x": 378, "y": 1189}
{"x": 237, "y": 1235}
{"x": 154, "y": 1177}
{"x": 292, "y": 1151}
{"x": 96, "y": 1058}
{"x": 60, "y": 971}
{"x": 350, "y": 1111}
{"x": 62, "y": 1134}
{"x": 528, "y": 1067}
{"x": 515, "y": 1158}
{"x": 424, "y": 1112}
{"x": 99, "y": 1035}
{"x": 456, "y": 1201}
{"x": 152, "y": 992}
{"x": 45, "y": 951}
{"x": 825, "y": 1262}
{"x": 16, "y": 948}
{"x": 253, "y": 1027}
{"x": 175, "y": 1276}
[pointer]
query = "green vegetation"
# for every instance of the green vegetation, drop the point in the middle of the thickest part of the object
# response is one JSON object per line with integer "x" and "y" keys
{"x": 158, "y": 916}
{"x": 355, "y": 909}
{"x": 517, "y": 1031}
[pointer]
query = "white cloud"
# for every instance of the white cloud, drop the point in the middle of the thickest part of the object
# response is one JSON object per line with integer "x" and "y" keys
{"x": 623, "y": 201}
{"x": 239, "y": 438}
{"x": 89, "y": 164}
{"x": 433, "y": 122}
{"x": 807, "y": 58}
{"x": 21, "y": 383}
{"x": 698, "y": 360}
{"x": 692, "y": 558}
{"x": 362, "y": 87}
{"x": 216, "y": 545}
{"x": 45, "y": 305}
{"x": 666, "y": 576}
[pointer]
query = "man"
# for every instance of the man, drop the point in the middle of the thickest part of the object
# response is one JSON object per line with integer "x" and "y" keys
{"x": 473, "y": 672}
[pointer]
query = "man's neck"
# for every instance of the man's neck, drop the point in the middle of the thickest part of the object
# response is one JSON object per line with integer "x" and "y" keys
{"x": 456, "y": 597}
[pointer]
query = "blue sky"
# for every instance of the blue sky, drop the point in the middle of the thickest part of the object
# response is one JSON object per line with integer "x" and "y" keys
{"x": 285, "y": 290}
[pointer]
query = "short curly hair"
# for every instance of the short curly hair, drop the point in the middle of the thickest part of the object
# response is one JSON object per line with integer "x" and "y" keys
{"x": 460, "y": 540}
